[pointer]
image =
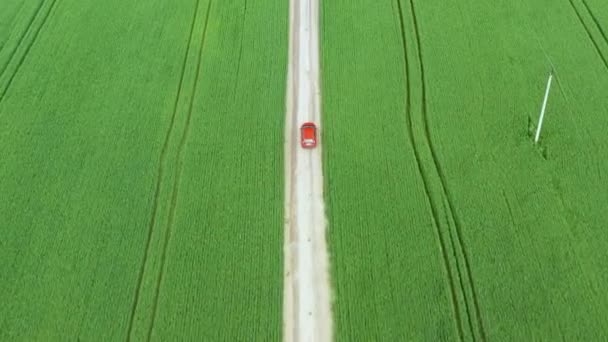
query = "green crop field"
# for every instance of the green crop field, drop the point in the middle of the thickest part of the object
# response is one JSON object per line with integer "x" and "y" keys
{"x": 446, "y": 222}
{"x": 142, "y": 169}
{"x": 139, "y": 199}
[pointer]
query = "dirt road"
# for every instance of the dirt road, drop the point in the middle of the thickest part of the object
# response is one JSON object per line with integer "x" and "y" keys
{"x": 307, "y": 300}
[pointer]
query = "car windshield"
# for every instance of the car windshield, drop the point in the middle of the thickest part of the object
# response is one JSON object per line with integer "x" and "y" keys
{"x": 308, "y": 132}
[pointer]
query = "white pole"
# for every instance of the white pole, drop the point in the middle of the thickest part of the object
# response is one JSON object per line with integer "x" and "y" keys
{"x": 542, "y": 111}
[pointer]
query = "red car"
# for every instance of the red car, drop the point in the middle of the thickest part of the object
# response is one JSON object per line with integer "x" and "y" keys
{"x": 308, "y": 135}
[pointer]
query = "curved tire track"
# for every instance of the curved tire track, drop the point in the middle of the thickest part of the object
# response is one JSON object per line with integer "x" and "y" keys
{"x": 463, "y": 272}
{"x": 160, "y": 173}
{"x": 425, "y": 180}
{"x": 442, "y": 177}
{"x": 177, "y": 177}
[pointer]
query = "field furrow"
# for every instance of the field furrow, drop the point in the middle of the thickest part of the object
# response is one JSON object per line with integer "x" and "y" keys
{"x": 468, "y": 285}
{"x": 138, "y": 194}
{"x": 455, "y": 288}
{"x": 479, "y": 100}
{"x": 592, "y": 27}
{"x": 178, "y": 173}
{"x": 174, "y": 121}
{"x": 446, "y": 221}
{"x": 599, "y": 11}
{"x": 600, "y": 26}
{"x": 509, "y": 232}
{"x": 223, "y": 217}
{"x": 14, "y": 52}
{"x": 16, "y": 18}
{"x": 375, "y": 253}
{"x": 80, "y": 142}
{"x": 143, "y": 170}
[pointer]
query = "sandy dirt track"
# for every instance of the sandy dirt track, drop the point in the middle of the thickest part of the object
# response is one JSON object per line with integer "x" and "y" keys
{"x": 307, "y": 299}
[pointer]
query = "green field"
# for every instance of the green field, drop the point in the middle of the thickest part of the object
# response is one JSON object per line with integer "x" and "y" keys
{"x": 142, "y": 169}
{"x": 446, "y": 221}
{"x": 138, "y": 197}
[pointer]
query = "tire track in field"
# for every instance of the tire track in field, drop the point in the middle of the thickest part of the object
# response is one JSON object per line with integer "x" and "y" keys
{"x": 442, "y": 178}
{"x": 425, "y": 180}
{"x": 160, "y": 172}
{"x": 6, "y": 87}
{"x": 596, "y": 21}
{"x": 178, "y": 173}
{"x": 464, "y": 272}
{"x": 22, "y": 37}
{"x": 589, "y": 34}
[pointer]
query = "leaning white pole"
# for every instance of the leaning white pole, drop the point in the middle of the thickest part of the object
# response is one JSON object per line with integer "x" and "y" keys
{"x": 542, "y": 111}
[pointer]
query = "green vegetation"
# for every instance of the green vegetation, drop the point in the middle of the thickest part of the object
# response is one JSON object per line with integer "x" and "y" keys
{"x": 138, "y": 196}
{"x": 454, "y": 89}
{"x": 8, "y": 16}
{"x": 141, "y": 169}
{"x": 221, "y": 262}
{"x": 387, "y": 266}
{"x": 20, "y": 23}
